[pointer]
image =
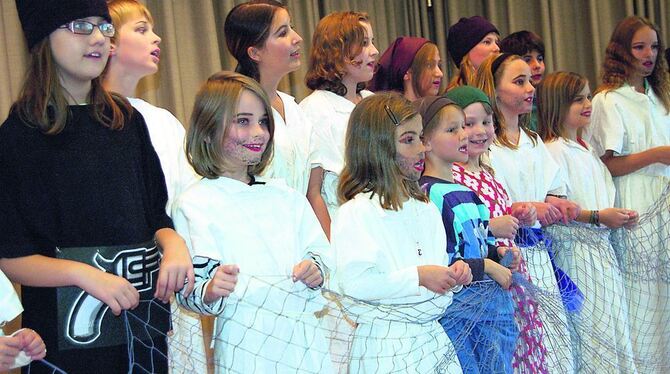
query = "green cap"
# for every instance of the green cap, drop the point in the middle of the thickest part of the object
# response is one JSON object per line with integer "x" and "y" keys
{"x": 463, "y": 96}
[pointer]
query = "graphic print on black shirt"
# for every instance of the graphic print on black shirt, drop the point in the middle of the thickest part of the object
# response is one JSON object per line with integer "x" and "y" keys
{"x": 86, "y": 322}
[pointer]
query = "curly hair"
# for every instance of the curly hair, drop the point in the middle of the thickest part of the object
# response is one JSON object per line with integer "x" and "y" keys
{"x": 337, "y": 40}
{"x": 619, "y": 62}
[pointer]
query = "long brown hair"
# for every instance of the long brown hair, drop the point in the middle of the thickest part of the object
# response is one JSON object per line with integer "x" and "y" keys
{"x": 619, "y": 62}
{"x": 487, "y": 81}
{"x": 465, "y": 75}
{"x": 213, "y": 111}
{"x": 337, "y": 40}
{"x": 555, "y": 95}
{"x": 421, "y": 64}
{"x": 369, "y": 156}
{"x": 248, "y": 25}
{"x": 42, "y": 102}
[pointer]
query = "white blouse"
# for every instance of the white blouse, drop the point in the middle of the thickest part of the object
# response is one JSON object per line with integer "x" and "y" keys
{"x": 167, "y": 136}
{"x": 292, "y": 138}
{"x": 329, "y": 114}
{"x": 528, "y": 173}
{"x": 588, "y": 181}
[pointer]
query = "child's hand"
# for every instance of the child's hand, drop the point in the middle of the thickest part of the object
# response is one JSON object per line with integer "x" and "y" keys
{"x": 499, "y": 273}
{"x": 10, "y": 346}
{"x": 222, "y": 284}
{"x": 32, "y": 344}
{"x": 547, "y": 213}
{"x": 175, "y": 268}
{"x": 569, "y": 209}
{"x": 516, "y": 257}
{"x": 460, "y": 271}
{"x": 436, "y": 278}
{"x": 525, "y": 213}
{"x": 633, "y": 218}
{"x": 308, "y": 273}
{"x": 614, "y": 218}
{"x": 504, "y": 227}
{"x": 116, "y": 292}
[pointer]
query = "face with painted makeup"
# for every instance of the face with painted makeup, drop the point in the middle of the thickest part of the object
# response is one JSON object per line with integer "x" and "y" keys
{"x": 247, "y": 135}
{"x": 362, "y": 67}
{"x": 579, "y": 112}
{"x": 410, "y": 151}
{"x": 644, "y": 48}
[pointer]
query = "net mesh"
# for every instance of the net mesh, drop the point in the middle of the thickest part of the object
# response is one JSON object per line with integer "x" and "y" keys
{"x": 615, "y": 320}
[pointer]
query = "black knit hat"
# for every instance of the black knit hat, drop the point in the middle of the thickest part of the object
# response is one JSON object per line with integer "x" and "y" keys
{"x": 39, "y": 18}
{"x": 465, "y": 34}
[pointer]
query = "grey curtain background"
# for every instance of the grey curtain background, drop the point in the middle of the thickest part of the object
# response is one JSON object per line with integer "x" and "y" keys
{"x": 575, "y": 33}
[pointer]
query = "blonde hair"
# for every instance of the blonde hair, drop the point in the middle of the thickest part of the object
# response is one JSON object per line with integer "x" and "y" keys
{"x": 465, "y": 75}
{"x": 370, "y": 152}
{"x": 215, "y": 105}
{"x": 555, "y": 95}
{"x": 486, "y": 81}
{"x": 121, "y": 12}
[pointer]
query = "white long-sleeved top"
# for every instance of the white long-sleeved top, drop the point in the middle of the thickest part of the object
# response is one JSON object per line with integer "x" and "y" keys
{"x": 329, "y": 114}
{"x": 267, "y": 324}
{"x": 167, "y": 136}
{"x": 292, "y": 138}
{"x": 587, "y": 180}
{"x": 377, "y": 252}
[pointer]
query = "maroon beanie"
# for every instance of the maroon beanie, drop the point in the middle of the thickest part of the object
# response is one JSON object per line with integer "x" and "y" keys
{"x": 394, "y": 63}
{"x": 465, "y": 34}
{"x": 39, "y": 18}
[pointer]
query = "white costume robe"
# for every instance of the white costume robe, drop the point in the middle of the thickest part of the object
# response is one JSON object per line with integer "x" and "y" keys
{"x": 292, "y": 138}
{"x": 601, "y": 333}
{"x": 529, "y": 173}
{"x": 377, "y": 253}
{"x": 628, "y": 122}
{"x": 267, "y": 324}
{"x": 329, "y": 114}
{"x": 186, "y": 345}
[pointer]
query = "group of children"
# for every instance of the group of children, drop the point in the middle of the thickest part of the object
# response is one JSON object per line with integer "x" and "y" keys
{"x": 377, "y": 186}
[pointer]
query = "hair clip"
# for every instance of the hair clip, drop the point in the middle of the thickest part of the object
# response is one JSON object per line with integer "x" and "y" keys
{"x": 391, "y": 115}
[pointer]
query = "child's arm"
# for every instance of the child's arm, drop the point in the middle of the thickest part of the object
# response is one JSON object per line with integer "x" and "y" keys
{"x": 613, "y": 218}
{"x": 623, "y": 165}
{"x": 10, "y": 346}
{"x": 569, "y": 209}
{"x": 213, "y": 284}
{"x": 316, "y": 200}
{"x": 42, "y": 271}
{"x": 547, "y": 214}
{"x": 498, "y": 273}
{"x": 176, "y": 266}
{"x": 525, "y": 213}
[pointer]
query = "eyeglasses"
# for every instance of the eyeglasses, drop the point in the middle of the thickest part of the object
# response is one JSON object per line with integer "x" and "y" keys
{"x": 86, "y": 28}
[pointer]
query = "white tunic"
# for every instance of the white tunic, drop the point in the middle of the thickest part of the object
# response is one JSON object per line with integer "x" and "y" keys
{"x": 11, "y": 308}
{"x": 602, "y": 333}
{"x": 626, "y": 121}
{"x": 529, "y": 173}
{"x": 167, "y": 136}
{"x": 292, "y": 138}
{"x": 377, "y": 258}
{"x": 268, "y": 323}
{"x": 329, "y": 114}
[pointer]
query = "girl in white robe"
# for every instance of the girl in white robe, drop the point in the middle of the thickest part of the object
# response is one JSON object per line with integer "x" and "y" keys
{"x": 601, "y": 334}
{"x": 260, "y": 37}
{"x": 260, "y": 254}
{"x": 525, "y": 168}
{"x": 390, "y": 245}
{"x": 631, "y": 134}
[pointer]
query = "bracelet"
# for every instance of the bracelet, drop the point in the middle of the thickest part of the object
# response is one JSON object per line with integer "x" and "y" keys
{"x": 597, "y": 218}
{"x": 594, "y": 218}
{"x": 558, "y": 196}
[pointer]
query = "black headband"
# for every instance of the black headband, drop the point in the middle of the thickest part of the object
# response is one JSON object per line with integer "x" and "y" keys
{"x": 498, "y": 61}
